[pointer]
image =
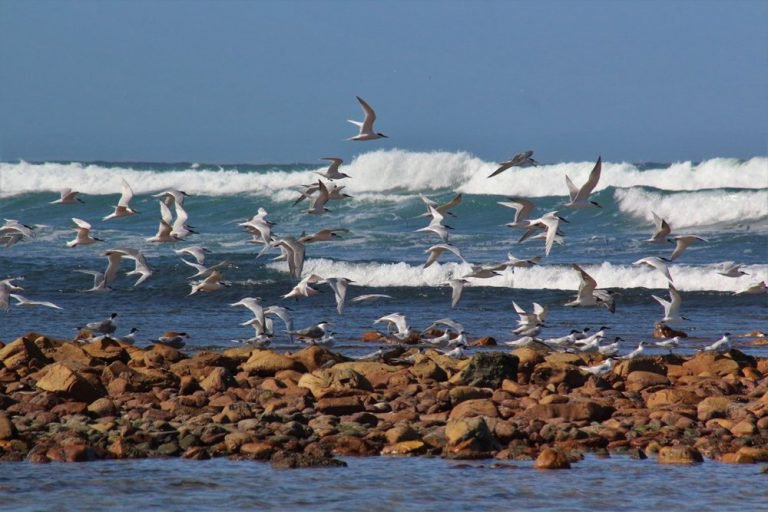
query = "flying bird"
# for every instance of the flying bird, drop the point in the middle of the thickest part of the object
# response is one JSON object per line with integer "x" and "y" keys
{"x": 519, "y": 160}
{"x": 580, "y": 196}
{"x": 366, "y": 125}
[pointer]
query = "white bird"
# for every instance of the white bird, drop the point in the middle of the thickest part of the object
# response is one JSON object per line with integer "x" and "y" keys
{"x": 282, "y": 313}
{"x": 333, "y": 173}
{"x": 123, "y": 208}
{"x": 580, "y": 196}
{"x": 180, "y": 227}
{"x": 68, "y": 196}
{"x": 449, "y": 323}
{"x": 442, "y": 209}
{"x": 610, "y": 349}
{"x": 141, "y": 267}
{"x": 304, "y": 287}
{"x": 523, "y": 209}
{"x": 172, "y": 339}
{"x": 107, "y": 326}
{"x": 637, "y": 352}
{"x": 436, "y": 250}
{"x": 371, "y": 297}
{"x": 129, "y": 338}
{"x": 730, "y": 269}
{"x": 661, "y": 230}
{"x": 436, "y": 225}
{"x": 656, "y": 263}
{"x": 317, "y": 206}
{"x": 172, "y": 196}
{"x": 519, "y": 160}
{"x": 14, "y": 228}
{"x": 587, "y": 295}
{"x": 520, "y": 342}
{"x": 23, "y": 301}
{"x": 682, "y": 243}
{"x": 600, "y": 369}
{"x": 669, "y": 343}
{"x": 83, "y": 236}
{"x": 513, "y": 262}
{"x": 398, "y": 322}
{"x": 485, "y": 272}
{"x": 457, "y": 288}
{"x": 314, "y": 332}
{"x": 195, "y": 251}
{"x": 254, "y": 306}
{"x": 202, "y": 270}
{"x": 366, "y": 126}
{"x": 721, "y": 345}
{"x": 295, "y": 254}
{"x": 324, "y": 235}
{"x": 549, "y": 221}
{"x": 211, "y": 283}
{"x": 6, "y": 288}
{"x": 671, "y": 306}
{"x": 754, "y": 289}
{"x": 339, "y": 287}
{"x": 456, "y": 353}
{"x": 259, "y": 227}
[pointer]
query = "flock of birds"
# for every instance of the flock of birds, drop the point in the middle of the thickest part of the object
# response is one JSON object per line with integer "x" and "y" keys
{"x": 445, "y": 333}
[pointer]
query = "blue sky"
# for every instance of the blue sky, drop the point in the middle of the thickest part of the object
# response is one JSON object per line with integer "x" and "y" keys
{"x": 275, "y": 81}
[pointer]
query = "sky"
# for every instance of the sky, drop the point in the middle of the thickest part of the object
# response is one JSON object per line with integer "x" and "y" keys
{"x": 275, "y": 81}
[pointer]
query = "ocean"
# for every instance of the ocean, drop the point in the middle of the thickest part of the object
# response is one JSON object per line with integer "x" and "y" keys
{"x": 723, "y": 200}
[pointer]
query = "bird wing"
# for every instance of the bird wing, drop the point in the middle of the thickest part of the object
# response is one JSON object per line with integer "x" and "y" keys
{"x": 594, "y": 177}
{"x": 370, "y": 116}
{"x": 587, "y": 285}
{"x": 126, "y": 194}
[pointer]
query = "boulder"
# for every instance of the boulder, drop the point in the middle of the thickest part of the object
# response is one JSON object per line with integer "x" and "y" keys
{"x": 489, "y": 369}
{"x": 477, "y": 407}
{"x": 20, "y": 353}
{"x": 7, "y": 428}
{"x": 413, "y": 447}
{"x": 106, "y": 349}
{"x": 267, "y": 363}
{"x": 671, "y": 396}
{"x": 73, "y": 353}
{"x": 335, "y": 381}
{"x": 340, "y": 406}
{"x": 711, "y": 363}
{"x": 640, "y": 364}
{"x": 552, "y": 458}
{"x": 426, "y": 369}
{"x": 575, "y": 410}
{"x": 61, "y": 379}
{"x": 558, "y": 373}
{"x": 201, "y": 364}
{"x": 639, "y": 380}
{"x": 469, "y": 438}
{"x": 315, "y": 357}
{"x": 679, "y": 455}
{"x": 714, "y": 407}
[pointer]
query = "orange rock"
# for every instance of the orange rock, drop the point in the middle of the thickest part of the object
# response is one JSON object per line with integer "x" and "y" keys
{"x": 59, "y": 378}
{"x": 744, "y": 428}
{"x": 639, "y": 380}
{"x": 679, "y": 455}
{"x": 476, "y": 407}
{"x": 552, "y": 458}
{"x": 405, "y": 448}
{"x": 736, "y": 458}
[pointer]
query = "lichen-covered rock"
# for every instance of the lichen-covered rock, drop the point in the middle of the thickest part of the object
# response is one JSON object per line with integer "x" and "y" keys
{"x": 489, "y": 369}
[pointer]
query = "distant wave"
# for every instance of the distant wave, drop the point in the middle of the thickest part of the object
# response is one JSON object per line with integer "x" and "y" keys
{"x": 386, "y": 172}
{"x": 550, "y": 277}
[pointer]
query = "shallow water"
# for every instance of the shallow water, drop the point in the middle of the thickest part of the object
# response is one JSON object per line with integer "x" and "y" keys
{"x": 380, "y": 484}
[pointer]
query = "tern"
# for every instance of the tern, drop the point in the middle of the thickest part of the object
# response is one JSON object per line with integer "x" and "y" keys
{"x": 123, "y": 208}
{"x": 83, "y": 234}
{"x": 656, "y": 263}
{"x": 180, "y": 227}
{"x": 587, "y": 295}
{"x": 456, "y": 353}
{"x": 682, "y": 243}
{"x": 318, "y": 202}
{"x": 671, "y": 306}
{"x": 172, "y": 339}
{"x": 637, "y": 352}
{"x": 436, "y": 225}
{"x": 442, "y": 209}
{"x": 601, "y": 369}
{"x": 661, "y": 231}
{"x": 304, "y": 288}
{"x": 398, "y": 322}
{"x": 295, "y": 254}
{"x": 281, "y": 313}
{"x": 313, "y": 332}
{"x": 254, "y": 305}
{"x": 211, "y": 283}
{"x": 204, "y": 271}
{"x": 13, "y": 227}
{"x": 195, "y": 251}
{"x": 457, "y": 287}
{"x": 580, "y": 196}
{"x": 669, "y": 343}
{"x": 23, "y": 301}
{"x": 436, "y": 250}
{"x": 339, "y": 286}
{"x": 366, "y": 126}
{"x": 107, "y": 326}
{"x": 449, "y": 323}
{"x": 172, "y": 196}
{"x": 523, "y": 209}
{"x": 333, "y": 173}
{"x": 6, "y": 288}
{"x": 549, "y": 221}
{"x": 68, "y": 196}
{"x": 730, "y": 269}
{"x": 371, "y": 297}
{"x": 519, "y": 160}
{"x": 324, "y": 235}
{"x": 141, "y": 268}
{"x": 754, "y": 289}
{"x": 721, "y": 345}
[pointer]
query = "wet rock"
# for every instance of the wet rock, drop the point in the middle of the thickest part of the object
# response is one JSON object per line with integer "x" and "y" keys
{"x": 489, "y": 369}
{"x": 679, "y": 454}
{"x": 288, "y": 460}
{"x": 736, "y": 458}
{"x": 552, "y": 458}
{"x": 413, "y": 447}
{"x": 258, "y": 450}
{"x": 399, "y": 433}
{"x": 485, "y": 341}
{"x": 469, "y": 438}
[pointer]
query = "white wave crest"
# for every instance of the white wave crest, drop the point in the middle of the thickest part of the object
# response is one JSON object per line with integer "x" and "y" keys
{"x": 702, "y": 208}
{"x": 544, "y": 277}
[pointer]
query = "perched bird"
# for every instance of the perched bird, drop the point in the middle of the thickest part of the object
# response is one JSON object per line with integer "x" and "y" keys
{"x": 107, "y": 326}
{"x": 68, "y": 196}
{"x": 682, "y": 243}
{"x": 123, "y": 208}
{"x": 172, "y": 339}
{"x": 129, "y": 338}
{"x": 600, "y": 369}
{"x": 637, "y": 352}
{"x": 333, "y": 173}
{"x": 366, "y": 126}
{"x": 721, "y": 345}
{"x": 669, "y": 343}
{"x": 314, "y": 332}
{"x": 519, "y": 160}
{"x": 580, "y": 196}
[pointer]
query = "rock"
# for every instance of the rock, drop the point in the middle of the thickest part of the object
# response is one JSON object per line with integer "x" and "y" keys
{"x": 288, "y": 460}
{"x": 217, "y": 380}
{"x": 267, "y": 363}
{"x": 399, "y": 433}
{"x": 663, "y": 331}
{"x": 639, "y": 380}
{"x": 488, "y": 369}
{"x": 711, "y": 363}
{"x": 21, "y": 352}
{"x": 7, "y": 428}
{"x": 714, "y": 407}
{"x": 458, "y": 394}
{"x": 679, "y": 454}
{"x": 73, "y": 353}
{"x": 671, "y": 396}
{"x": 413, "y": 447}
{"x": 477, "y": 407}
{"x": 334, "y": 381}
{"x": 366, "y": 367}
{"x": 372, "y": 336}
{"x": 258, "y": 450}
{"x": 425, "y": 368}
{"x": 575, "y": 410}
{"x": 756, "y": 453}
{"x": 59, "y": 378}
{"x": 201, "y": 364}
{"x": 102, "y": 407}
{"x": 640, "y": 364}
{"x": 315, "y": 357}
{"x": 552, "y": 458}
{"x": 736, "y": 458}
{"x": 469, "y": 438}
{"x": 340, "y": 406}
{"x": 558, "y": 373}
{"x": 485, "y": 341}
{"x": 744, "y": 428}
{"x": 106, "y": 349}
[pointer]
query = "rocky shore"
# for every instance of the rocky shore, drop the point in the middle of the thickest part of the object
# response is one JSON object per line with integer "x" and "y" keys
{"x": 67, "y": 401}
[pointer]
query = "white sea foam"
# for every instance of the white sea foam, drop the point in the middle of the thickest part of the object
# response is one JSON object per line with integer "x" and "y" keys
{"x": 701, "y": 208}
{"x": 544, "y": 277}
{"x": 386, "y": 172}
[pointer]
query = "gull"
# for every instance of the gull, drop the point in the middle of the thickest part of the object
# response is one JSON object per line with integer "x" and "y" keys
{"x": 366, "y": 126}
{"x": 730, "y": 269}
{"x": 23, "y": 301}
{"x": 107, "y": 326}
{"x": 180, "y": 227}
{"x": 754, "y": 289}
{"x": 314, "y": 332}
{"x": 436, "y": 225}
{"x": 398, "y": 322}
{"x": 637, "y": 352}
{"x": 669, "y": 343}
{"x": 436, "y": 250}
{"x": 211, "y": 283}
{"x": 318, "y": 203}
{"x": 68, "y": 196}
{"x": 457, "y": 287}
{"x": 333, "y": 173}
{"x": 580, "y": 196}
{"x": 339, "y": 287}
{"x": 83, "y": 234}
{"x": 172, "y": 339}
{"x": 600, "y": 369}
{"x": 721, "y": 345}
{"x": 549, "y": 221}
{"x": 587, "y": 295}
{"x": 304, "y": 288}
{"x": 371, "y": 297}
{"x": 519, "y": 160}
{"x": 523, "y": 209}
{"x": 449, "y": 323}
{"x": 6, "y": 288}
{"x": 682, "y": 243}
{"x": 657, "y": 263}
{"x": 254, "y": 306}
{"x": 172, "y": 196}
{"x": 195, "y": 251}
{"x": 141, "y": 267}
{"x": 671, "y": 306}
{"x": 661, "y": 232}
{"x": 123, "y": 208}
{"x": 324, "y": 235}
{"x": 442, "y": 209}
